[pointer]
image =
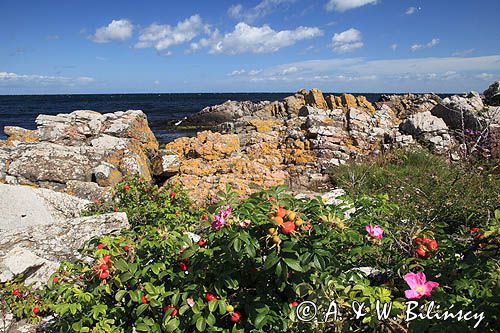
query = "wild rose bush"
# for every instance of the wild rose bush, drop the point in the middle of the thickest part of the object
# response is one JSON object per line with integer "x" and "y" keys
{"x": 245, "y": 265}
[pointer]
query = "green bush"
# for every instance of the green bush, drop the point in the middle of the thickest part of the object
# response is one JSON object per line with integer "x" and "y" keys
{"x": 257, "y": 259}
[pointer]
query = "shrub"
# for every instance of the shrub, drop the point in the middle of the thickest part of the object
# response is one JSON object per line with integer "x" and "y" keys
{"x": 257, "y": 260}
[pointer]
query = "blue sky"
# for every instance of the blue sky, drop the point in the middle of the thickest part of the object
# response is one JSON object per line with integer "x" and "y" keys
{"x": 250, "y": 46}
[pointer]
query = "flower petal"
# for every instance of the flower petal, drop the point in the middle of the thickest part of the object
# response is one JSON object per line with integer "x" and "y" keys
{"x": 429, "y": 286}
{"x": 411, "y": 280}
{"x": 412, "y": 294}
{"x": 421, "y": 279}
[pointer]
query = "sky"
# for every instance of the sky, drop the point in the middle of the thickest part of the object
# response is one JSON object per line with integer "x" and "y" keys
{"x": 161, "y": 46}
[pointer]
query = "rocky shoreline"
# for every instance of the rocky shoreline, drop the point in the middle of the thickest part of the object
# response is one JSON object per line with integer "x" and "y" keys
{"x": 49, "y": 174}
{"x": 253, "y": 144}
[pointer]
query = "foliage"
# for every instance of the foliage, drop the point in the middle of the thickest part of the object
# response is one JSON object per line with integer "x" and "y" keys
{"x": 257, "y": 259}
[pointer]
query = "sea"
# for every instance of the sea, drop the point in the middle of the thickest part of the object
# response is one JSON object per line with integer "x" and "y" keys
{"x": 161, "y": 109}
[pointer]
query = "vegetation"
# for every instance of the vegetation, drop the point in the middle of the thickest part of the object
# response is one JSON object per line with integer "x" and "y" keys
{"x": 258, "y": 259}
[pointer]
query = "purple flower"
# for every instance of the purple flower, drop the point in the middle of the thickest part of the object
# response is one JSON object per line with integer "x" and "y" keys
{"x": 218, "y": 222}
{"x": 225, "y": 211}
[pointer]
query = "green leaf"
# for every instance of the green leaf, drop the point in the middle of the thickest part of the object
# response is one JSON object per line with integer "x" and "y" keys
{"x": 293, "y": 264}
{"x": 271, "y": 260}
{"x": 237, "y": 244}
{"x": 142, "y": 327}
{"x": 201, "y": 324}
{"x": 260, "y": 321}
{"x": 121, "y": 265}
{"x": 172, "y": 324}
{"x": 212, "y": 305}
{"x": 140, "y": 309}
{"x": 119, "y": 295}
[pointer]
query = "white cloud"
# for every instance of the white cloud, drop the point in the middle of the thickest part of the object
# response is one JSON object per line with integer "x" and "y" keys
{"x": 485, "y": 76}
{"x": 156, "y": 82}
{"x": 432, "y": 43}
{"x": 263, "y": 8}
{"x": 411, "y": 10}
{"x": 387, "y": 72}
{"x": 344, "y": 5}
{"x": 237, "y": 72}
{"x": 248, "y": 39}
{"x": 255, "y": 72}
{"x": 290, "y": 70}
{"x": 463, "y": 53}
{"x": 161, "y": 37}
{"x": 53, "y": 37}
{"x": 347, "y": 41}
{"x": 117, "y": 30}
{"x": 394, "y": 46}
{"x": 7, "y": 78}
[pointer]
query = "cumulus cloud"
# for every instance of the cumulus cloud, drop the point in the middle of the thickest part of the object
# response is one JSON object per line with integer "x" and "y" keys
{"x": 7, "y": 78}
{"x": 249, "y": 39}
{"x": 161, "y": 37}
{"x": 347, "y": 41}
{"x": 394, "y": 47}
{"x": 345, "y": 5}
{"x": 117, "y": 30}
{"x": 263, "y": 8}
{"x": 432, "y": 43}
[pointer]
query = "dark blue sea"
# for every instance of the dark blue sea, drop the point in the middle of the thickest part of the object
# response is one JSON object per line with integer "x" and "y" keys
{"x": 161, "y": 109}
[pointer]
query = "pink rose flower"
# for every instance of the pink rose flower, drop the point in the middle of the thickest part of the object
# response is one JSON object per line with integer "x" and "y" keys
{"x": 419, "y": 285}
{"x": 374, "y": 231}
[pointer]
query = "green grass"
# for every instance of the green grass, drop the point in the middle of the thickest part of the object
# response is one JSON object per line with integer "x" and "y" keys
{"x": 426, "y": 187}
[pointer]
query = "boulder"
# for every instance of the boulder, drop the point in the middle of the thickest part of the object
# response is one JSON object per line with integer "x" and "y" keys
{"x": 294, "y": 103}
{"x": 423, "y": 122}
{"x": 349, "y": 101}
{"x": 39, "y": 228}
{"x": 492, "y": 94}
{"x": 83, "y": 146}
{"x": 228, "y": 111}
{"x": 461, "y": 112}
{"x": 428, "y": 129}
{"x": 315, "y": 98}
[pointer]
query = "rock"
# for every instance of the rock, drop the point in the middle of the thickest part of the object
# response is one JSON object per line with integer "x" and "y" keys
{"x": 494, "y": 139}
{"x": 461, "y": 112}
{"x": 25, "y": 206}
{"x": 308, "y": 110}
{"x": 408, "y": 104}
{"x": 228, "y": 111}
{"x": 107, "y": 174}
{"x": 83, "y": 146}
{"x": 294, "y": 103}
{"x": 16, "y": 135}
{"x": 315, "y": 98}
{"x": 364, "y": 103}
{"x": 86, "y": 190}
{"x": 50, "y": 162}
{"x": 36, "y": 253}
{"x": 349, "y": 101}
{"x": 22, "y": 261}
{"x": 492, "y": 94}
{"x": 165, "y": 165}
{"x": 428, "y": 129}
{"x": 423, "y": 122}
